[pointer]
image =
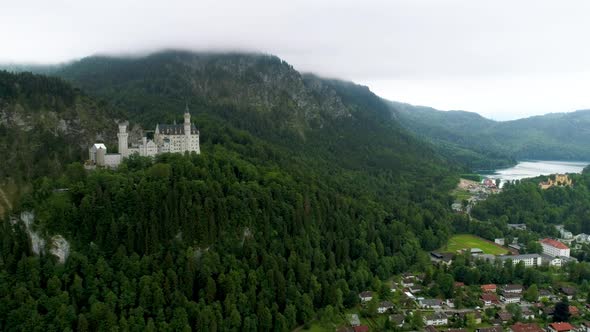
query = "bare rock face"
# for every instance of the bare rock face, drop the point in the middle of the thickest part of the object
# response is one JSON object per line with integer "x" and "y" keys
{"x": 135, "y": 134}
{"x": 14, "y": 116}
{"x": 265, "y": 82}
{"x": 37, "y": 242}
{"x": 260, "y": 82}
{"x": 62, "y": 126}
{"x": 60, "y": 248}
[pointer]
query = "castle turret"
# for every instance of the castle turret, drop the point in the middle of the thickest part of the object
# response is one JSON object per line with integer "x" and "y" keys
{"x": 187, "y": 129}
{"x": 123, "y": 136}
{"x": 100, "y": 157}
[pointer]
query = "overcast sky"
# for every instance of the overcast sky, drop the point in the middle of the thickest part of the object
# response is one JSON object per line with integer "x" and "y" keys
{"x": 502, "y": 59}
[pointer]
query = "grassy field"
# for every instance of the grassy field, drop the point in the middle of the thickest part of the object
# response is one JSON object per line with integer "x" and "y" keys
{"x": 465, "y": 241}
{"x": 315, "y": 327}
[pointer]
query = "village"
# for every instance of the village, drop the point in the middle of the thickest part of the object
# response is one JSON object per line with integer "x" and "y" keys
{"x": 506, "y": 307}
{"x": 407, "y": 304}
{"x": 469, "y": 192}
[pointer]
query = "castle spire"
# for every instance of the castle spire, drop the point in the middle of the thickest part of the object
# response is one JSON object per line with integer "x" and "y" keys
{"x": 187, "y": 119}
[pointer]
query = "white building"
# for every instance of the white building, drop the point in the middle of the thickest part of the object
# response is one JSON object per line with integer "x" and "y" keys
{"x": 384, "y": 306}
{"x": 510, "y": 298}
{"x": 167, "y": 139}
{"x": 353, "y": 320}
{"x": 98, "y": 156}
{"x": 565, "y": 234}
{"x": 513, "y": 288}
{"x": 366, "y": 296}
{"x": 529, "y": 260}
{"x": 582, "y": 238}
{"x": 408, "y": 281}
{"x": 436, "y": 319}
{"x": 430, "y": 303}
{"x": 450, "y": 303}
{"x": 94, "y": 153}
{"x": 499, "y": 241}
{"x": 552, "y": 261}
{"x": 554, "y": 248}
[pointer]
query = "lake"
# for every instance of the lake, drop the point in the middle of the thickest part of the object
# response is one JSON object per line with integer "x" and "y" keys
{"x": 531, "y": 169}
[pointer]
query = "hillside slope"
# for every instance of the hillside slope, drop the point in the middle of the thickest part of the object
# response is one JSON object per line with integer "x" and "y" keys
{"x": 306, "y": 193}
{"x": 458, "y": 135}
{"x": 45, "y": 124}
{"x": 260, "y": 94}
{"x": 560, "y": 136}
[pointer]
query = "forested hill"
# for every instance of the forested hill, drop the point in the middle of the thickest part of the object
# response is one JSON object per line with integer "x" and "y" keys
{"x": 306, "y": 193}
{"x": 150, "y": 87}
{"x": 488, "y": 143}
{"x": 46, "y": 123}
{"x": 263, "y": 95}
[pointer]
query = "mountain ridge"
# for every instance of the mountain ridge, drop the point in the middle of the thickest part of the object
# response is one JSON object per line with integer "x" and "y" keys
{"x": 147, "y": 85}
{"x": 552, "y": 136}
{"x": 55, "y": 67}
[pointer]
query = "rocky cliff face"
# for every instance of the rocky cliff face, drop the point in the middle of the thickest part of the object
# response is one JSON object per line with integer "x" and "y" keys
{"x": 260, "y": 82}
{"x": 58, "y": 245}
{"x": 76, "y": 126}
{"x": 45, "y": 124}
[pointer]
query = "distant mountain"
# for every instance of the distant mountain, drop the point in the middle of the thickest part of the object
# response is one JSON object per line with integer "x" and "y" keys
{"x": 563, "y": 136}
{"x": 489, "y": 144}
{"x": 457, "y": 134}
{"x": 150, "y": 87}
{"x": 32, "y": 68}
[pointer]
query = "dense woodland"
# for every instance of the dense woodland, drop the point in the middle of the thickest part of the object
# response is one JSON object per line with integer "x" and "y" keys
{"x": 287, "y": 214}
{"x": 209, "y": 241}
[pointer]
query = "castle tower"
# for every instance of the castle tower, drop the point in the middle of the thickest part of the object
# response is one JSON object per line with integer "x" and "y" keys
{"x": 122, "y": 137}
{"x": 187, "y": 129}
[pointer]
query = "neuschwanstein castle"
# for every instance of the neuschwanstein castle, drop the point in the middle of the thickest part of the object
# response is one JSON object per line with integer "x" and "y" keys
{"x": 174, "y": 138}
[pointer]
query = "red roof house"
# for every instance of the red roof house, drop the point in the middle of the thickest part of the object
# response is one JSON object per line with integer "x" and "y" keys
{"x": 528, "y": 327}
{"x": 554, "y": 243}
{"x": 361, "y": 328}
{"x": 561, "y": 327}
{"x": 489, "y": 288}
{"x": 489, "y": 299}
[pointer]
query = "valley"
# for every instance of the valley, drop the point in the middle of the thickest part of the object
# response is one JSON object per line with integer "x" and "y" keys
{"x": 308, "y": 200}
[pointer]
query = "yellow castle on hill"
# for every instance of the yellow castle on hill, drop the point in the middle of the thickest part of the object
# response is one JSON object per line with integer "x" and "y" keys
{"x": 560, "y": 180}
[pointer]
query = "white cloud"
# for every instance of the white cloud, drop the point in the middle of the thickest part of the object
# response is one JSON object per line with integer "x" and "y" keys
{"x": 504, "y": 98}
{"x": 461, "y": 54}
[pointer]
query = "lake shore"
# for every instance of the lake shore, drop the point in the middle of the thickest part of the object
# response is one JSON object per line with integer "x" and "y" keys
{"x": 533, "y": 168}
